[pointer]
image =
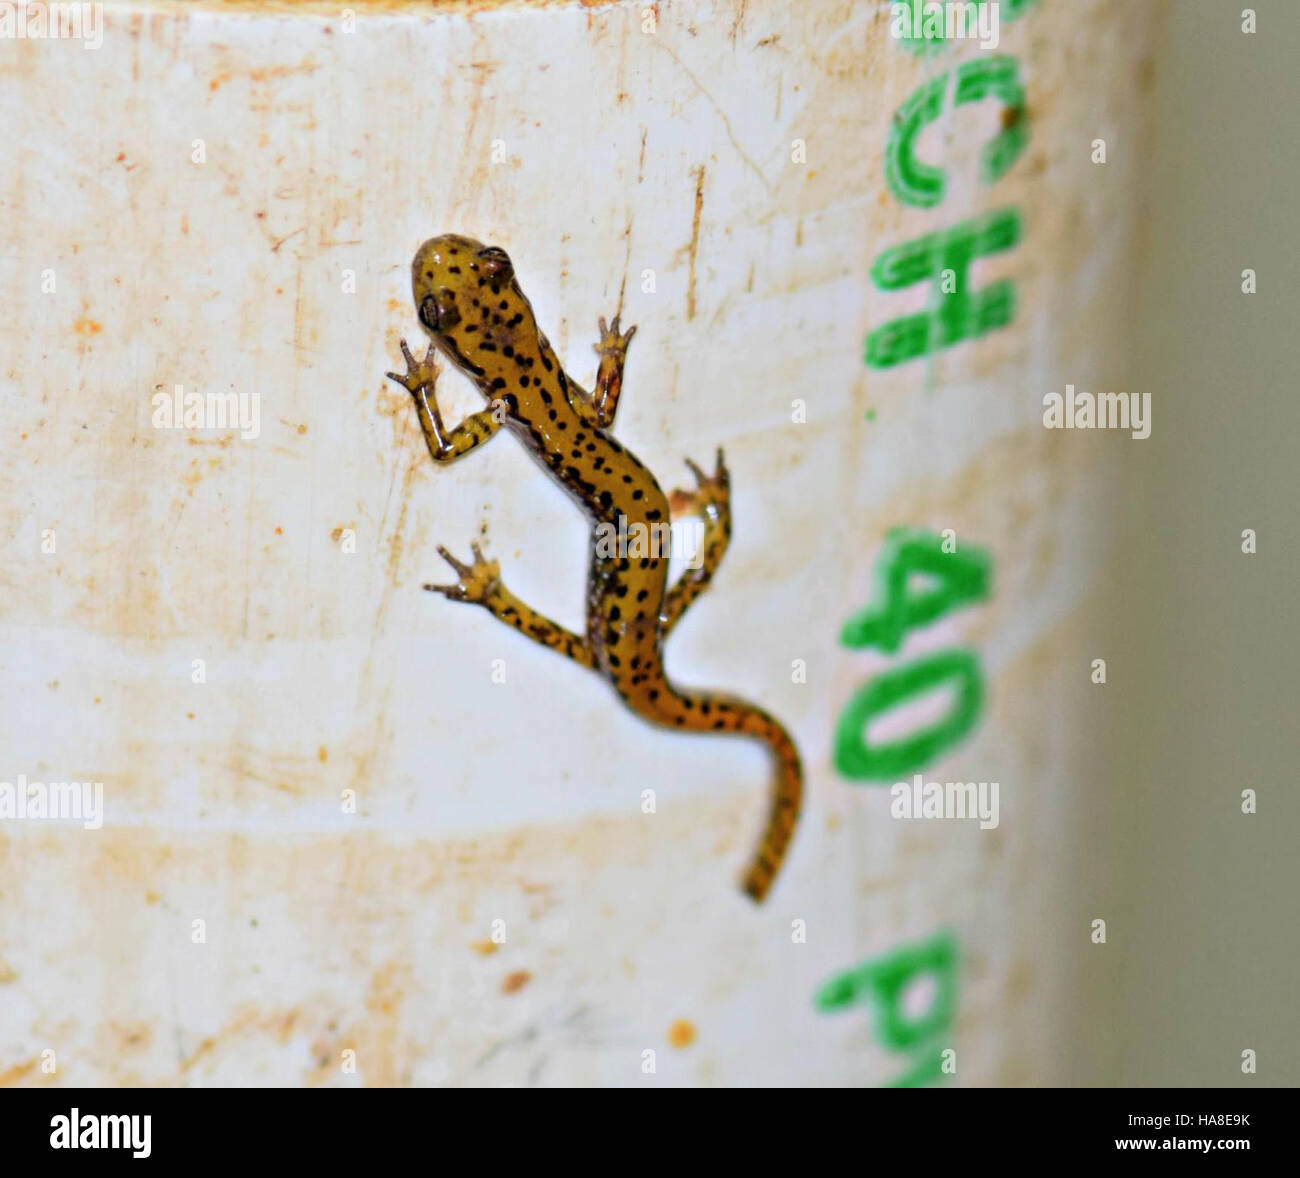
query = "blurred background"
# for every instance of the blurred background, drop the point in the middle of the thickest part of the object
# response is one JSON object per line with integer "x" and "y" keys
{"x": 1209, "y": 897}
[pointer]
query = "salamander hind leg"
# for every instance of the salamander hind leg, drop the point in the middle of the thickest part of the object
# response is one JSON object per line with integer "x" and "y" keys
{"x": 711, "y": 501}
{"x": 480, "y": 584}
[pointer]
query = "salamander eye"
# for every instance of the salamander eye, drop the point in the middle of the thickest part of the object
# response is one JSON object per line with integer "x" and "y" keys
{"x": 495, "y": 263}
{"x": 438, "y": 312}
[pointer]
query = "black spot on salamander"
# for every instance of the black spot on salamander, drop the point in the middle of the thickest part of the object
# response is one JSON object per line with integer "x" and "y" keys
{"x": 511, "y": 400}
{"x": 719, "y": 724}
{"x": 453, "y": 269}
{"x": 551, "y": 414}
{"x": 507, "y": 350}
{"x": 654, "y": 694}
{"x": 498, "y": 382}
{"x": 523, "y": 382}
{"x": 469, "y": 327}
{"x": 637, "y": 493}
{"x": 546, "y": 363}
{"x": 428, "y": 274}
{"x": 486, "y": 346}
{"x": 546, "y": 397}
{"x": 627, "y": 478}
{"x": 615, "y": 613}
{"x": 653, "y": 515}
{"x": 642, "y": 594}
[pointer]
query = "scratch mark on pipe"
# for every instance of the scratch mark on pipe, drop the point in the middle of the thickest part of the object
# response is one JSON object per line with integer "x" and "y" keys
{"x": 722, "y": 114}
{"x": 695, "y": 240}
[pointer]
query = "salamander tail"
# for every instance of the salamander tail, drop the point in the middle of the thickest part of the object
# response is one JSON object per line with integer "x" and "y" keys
{"x": 787, "y": 796}
{"x": 706, "y": 712}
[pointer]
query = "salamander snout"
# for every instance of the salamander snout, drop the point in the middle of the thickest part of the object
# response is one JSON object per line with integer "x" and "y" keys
{"x": 449, "y": 272}
{"x": 468, "y": 301}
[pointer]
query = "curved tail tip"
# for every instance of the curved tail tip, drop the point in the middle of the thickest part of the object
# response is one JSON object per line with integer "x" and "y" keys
{"x": 757, "y": 884}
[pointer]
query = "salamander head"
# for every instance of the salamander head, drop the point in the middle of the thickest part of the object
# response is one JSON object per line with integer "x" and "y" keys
{"x": 472, "y": 307}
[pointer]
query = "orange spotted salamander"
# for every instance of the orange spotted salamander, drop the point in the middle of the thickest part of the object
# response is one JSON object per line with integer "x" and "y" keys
{"x": 470, "y": 303}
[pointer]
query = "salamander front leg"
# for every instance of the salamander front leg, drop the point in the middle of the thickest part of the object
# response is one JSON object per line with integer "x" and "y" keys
{"x": 599, "y": 407}
{"x": 612, "y": 350}
{"x": 480, "y": 584}
{"x": 444, "y": 445}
